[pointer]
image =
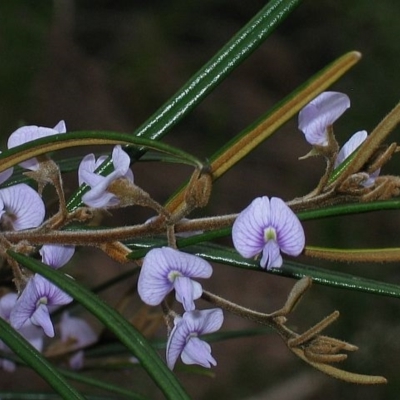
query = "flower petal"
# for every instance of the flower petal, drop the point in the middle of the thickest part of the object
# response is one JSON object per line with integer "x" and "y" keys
{"x": 350, "y": 146}
{"x": 198, "y": 351}
{"x": 290, "y": 233}
{"x": 32, "y": 132}
{"x": 248, "y": 228}
{"x": 23, "y": 205}
{"x": 41, "y": 317}
{"x": 155, "y": 280}
{"x": 56, "y": 256}
{"x": 320, "y": 113}
{"x": 187, "y": 290}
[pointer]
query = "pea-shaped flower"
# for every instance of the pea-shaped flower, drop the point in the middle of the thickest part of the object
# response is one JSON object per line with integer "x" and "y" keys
{"x": 184, "y": 338}
{"x": 318, "y": 116}
{"x": 165, "y": 269}
{"x": 268, "y": 226}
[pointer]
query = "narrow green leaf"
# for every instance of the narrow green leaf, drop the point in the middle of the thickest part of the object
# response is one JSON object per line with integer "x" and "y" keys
{"x": 45, "y": 145}
{"x": 218, "y": 68}
{"x": 345, "y": 209}
{"x": 36, "y": 361}
{"x": 228, "y": 256}
{"x": 116, "y": 323}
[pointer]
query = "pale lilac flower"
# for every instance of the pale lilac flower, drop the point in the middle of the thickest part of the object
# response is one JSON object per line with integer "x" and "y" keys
{"x": 55, "y": 255}
{"x": 268, "y": 226}
{"x": 77, "y": 334}
{"x": 318, "y": 115}
{"x": 21, "y": 207}
{"x": 32, "y": 305}
{"x": 166, "y": 269}
{"x": 32, "y": 132}
{"x": 31, "y": 333}
{"x": 349, "y": 147}
{"x": 184, "y": 338}
{"x": 98, "y": 196}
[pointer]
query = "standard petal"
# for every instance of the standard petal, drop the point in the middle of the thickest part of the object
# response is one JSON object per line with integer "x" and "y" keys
{"x": 248, "y": 228}
{"x": 23, "y": 205}
{"x": 32, "y": 132}
{"x": 54, "y": 295}
{"x": 290, "y": 233}
{"x": 320, "y": 113}
{"x": 56, "y": 256}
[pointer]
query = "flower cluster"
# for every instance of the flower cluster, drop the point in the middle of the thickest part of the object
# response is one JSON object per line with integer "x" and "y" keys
{"x": 267, "y": 227}
{"x": 166, "y": 269}
{"x": 21, "y": 207}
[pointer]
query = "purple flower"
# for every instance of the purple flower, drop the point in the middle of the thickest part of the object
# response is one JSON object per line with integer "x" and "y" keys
{"x": 268, "y": 226}
{"x": 166, "y": 269}
{"x": 21, "y": 207}
{"x": 56, "y": 256}
{"x": 318, "y": 115}
{"x": 184, "y": 339}
{"x": 98, "y": 196}
{"x": 77, "y": 334}
{"x": 32, "y": 132}
{"x": 31, "y": 333}
{"x": 32, "y": 305}
{"x": 348, "y": 148}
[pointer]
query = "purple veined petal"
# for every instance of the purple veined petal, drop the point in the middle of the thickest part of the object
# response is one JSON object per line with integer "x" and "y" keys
{"x": 54, "y": 295}
{"x": 271, "y": 255}
{"x": 350, "y": 146}
{"x": 198, "y": 351}
{"x": 56, "y": 256}
{"x": 41, "y": 317}
{"x": 186, "y": 291}
{"x": 162, "y": 266}
{"x": 320, "y": 113}
{"x": 23, "y": 205}
{"x": 38, "y": 293}
{"x": 204, "y": 321}
{"x": 248, "y": 228}
{"x": 290, "y": 233}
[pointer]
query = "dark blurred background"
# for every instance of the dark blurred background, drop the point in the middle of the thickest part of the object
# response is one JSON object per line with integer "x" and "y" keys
{"x": 110, "y": 64}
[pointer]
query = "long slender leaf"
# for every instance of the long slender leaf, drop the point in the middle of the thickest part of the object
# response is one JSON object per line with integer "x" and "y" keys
{"x": 117, "y": 324}
{"x": 35, "y": 360}
{"x": 228, "y": 256}
{"x": 44, "y": 145}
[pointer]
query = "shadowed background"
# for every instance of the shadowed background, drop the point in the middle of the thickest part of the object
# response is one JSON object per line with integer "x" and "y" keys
{"x": 110, "y": 64}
